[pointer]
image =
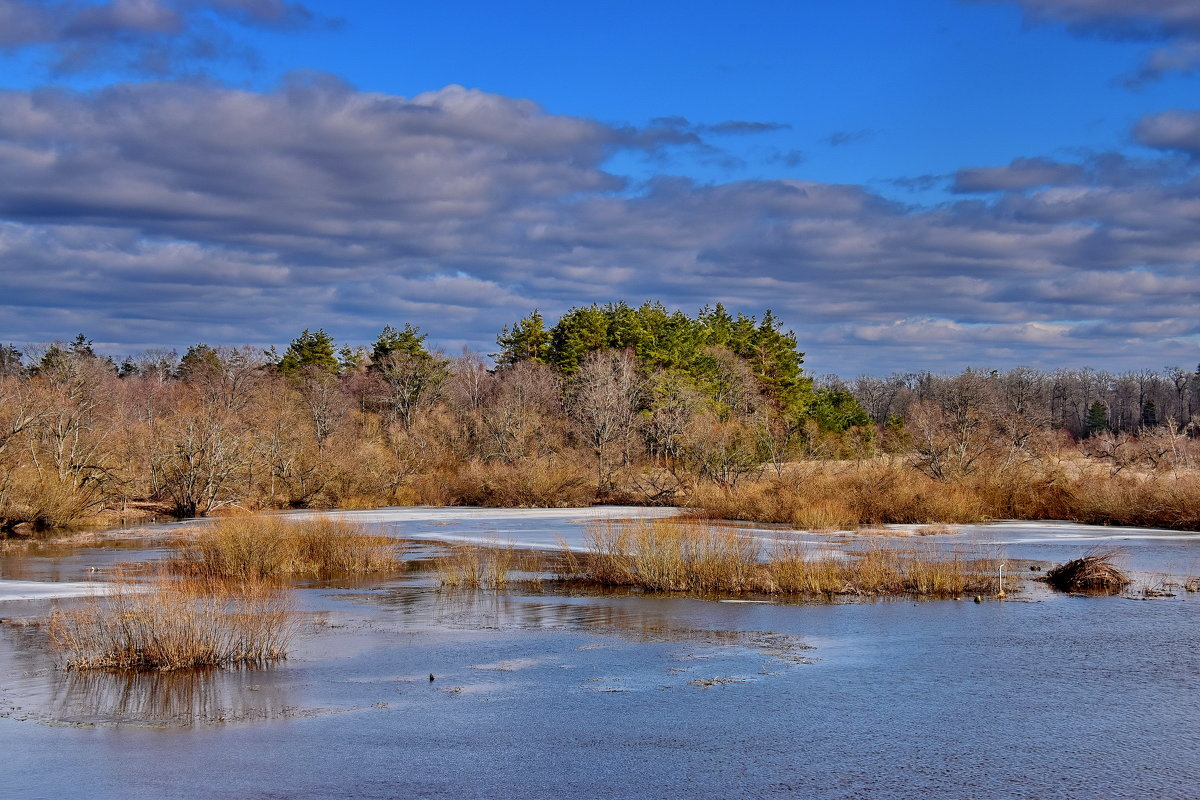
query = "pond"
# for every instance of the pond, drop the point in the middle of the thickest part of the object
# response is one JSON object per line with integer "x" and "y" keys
{"x": 545, "y": 694}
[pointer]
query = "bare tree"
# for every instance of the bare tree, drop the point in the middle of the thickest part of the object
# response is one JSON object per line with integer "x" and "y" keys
{"x": 604, "y": 400}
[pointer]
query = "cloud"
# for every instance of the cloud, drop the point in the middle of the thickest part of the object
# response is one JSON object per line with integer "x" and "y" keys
{"x": 843, "y": 138}
{"x": 1020, "y": 174}
{"x": 1145, "y": 19}
{"x": 1175, "y": 23}
{"x": 164, "y": 214}
{"x": 1171, "y": 130}
{"x": 144, "y": 37}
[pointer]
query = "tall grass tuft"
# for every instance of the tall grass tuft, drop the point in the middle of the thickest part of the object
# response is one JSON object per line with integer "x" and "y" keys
{"x": 176, "y": 624}
{"x": 262, "y": 547}
{"x": 660, "y": 555}
{"x": 475, "y": 566}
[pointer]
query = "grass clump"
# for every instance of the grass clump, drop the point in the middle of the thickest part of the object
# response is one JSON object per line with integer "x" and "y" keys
{"x": 264, "y": 547}
{"x": 660, "y": 555}
{"x": 470, "y": 566}
{"x": 1095, "y": 573}
{"x": 176, "y": 624}
{"x": 475, "y": 566}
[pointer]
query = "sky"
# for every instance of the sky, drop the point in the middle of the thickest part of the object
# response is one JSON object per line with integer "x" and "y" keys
{"x": 926, "y": 185}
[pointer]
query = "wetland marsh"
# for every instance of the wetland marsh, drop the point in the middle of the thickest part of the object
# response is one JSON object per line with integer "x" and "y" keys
{"x": 544, "y": 690}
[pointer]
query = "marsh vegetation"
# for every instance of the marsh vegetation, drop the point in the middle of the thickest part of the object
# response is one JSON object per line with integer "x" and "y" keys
{"x": 258, "y": 547}
{"x": 172, "y": 624}
{"x": 666, "y": 556}
{"x": 619, "y": 404}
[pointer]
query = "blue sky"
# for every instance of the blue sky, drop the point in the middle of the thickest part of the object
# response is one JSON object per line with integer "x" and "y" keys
{"x": 921, "y": 185}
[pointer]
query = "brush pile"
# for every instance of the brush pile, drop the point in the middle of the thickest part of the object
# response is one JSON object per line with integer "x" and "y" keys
{"x": 1094, "y": 573}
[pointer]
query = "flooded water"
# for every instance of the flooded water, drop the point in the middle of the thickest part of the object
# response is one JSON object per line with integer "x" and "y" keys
{"x": 623, "y": 696}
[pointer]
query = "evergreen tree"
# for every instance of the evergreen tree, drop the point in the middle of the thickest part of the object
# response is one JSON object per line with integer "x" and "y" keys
{"x": 409, "y": 341}
{"x": 200, "y": 361}
{"x": 311, "y": 349}
{"x": 1149, "y": 415}
{"x": 661, "y": 340}
{"x": 527, "y": 341}
{"x": 414, "y": 377}
{"x": 836, "y": 410}
{"x": 350, "y": 359}
{"x": 1097, "y": 418}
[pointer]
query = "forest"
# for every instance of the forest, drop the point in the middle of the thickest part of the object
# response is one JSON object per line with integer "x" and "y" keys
{"x": 615, "y": 403}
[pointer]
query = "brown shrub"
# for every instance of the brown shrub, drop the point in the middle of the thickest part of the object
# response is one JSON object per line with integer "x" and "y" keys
{"x": 530, "y": 482}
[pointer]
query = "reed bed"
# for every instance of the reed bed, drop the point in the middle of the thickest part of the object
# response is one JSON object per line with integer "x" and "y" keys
{"x": 665, "y": 556}
{"x": 475, "y": 566}
{"x": 845, "y": 495}
{"x": 176, "y": 624}
{"x": 264, "y": 547}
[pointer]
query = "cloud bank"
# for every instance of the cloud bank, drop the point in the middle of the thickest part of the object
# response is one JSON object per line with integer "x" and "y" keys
{"x": 148, "y": 37}
{"x": 159, "y": 213}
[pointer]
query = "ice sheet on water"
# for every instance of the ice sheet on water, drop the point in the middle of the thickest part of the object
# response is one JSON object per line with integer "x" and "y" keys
{"x": 47, "y": 590}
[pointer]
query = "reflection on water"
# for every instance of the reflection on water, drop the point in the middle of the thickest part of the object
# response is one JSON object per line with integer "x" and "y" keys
{"x": 632, "y": 618}
{"x": 626, "y": 696}
{"x": 184, "y": 697}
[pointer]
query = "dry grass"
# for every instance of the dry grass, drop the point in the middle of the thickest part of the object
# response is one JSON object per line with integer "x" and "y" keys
{"x": 44, "y": 501}
{"x": 659, "y": 555}
{"x": 261, "y": 547}
{"x": 176, "y": 624}
{"x": 665, "y": 556}
{"x": 470, "y": 566}
{"x": 840, "y": 496}
{"x": 1094, "y": 573}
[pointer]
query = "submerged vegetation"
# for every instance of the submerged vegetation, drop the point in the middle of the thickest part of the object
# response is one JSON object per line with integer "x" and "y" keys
{"x": 252, "y": 548}
{"x": 614, "y": 403}
{"x": 176, "y": 624}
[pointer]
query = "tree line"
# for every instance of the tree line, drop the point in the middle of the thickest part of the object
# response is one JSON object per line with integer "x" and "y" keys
{"x": 609, "y": 403}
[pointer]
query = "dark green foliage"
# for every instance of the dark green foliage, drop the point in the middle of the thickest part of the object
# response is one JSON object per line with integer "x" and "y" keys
{"x": 409, "y": 341}
{"x": 62, "y": 359}
{"x": 312, "y": 350}
{"x": 413, "y": 377}
{"x": 350, "y": 359}
{"x": 836, "y": 410}
{"x": 664, "y": 340}
{"x": 200, "y": 361}
{"x": 1097, "y": 418}
{"x": 82, "y": 346}
{"x": 527, "y": 341}
{"x": 1149, "y": 415}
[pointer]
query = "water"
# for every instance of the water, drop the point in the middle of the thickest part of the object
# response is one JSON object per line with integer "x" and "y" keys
{"x": 554, "y": 694}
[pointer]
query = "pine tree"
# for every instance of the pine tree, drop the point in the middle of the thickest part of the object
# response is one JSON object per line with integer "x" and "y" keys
{"x": 1097, "y": 418}
{"x": 1149, "y": 415}
{"x": 409, "y": 341}
{"x": 527, "y": 341}
{"x": 311, "y": 349}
